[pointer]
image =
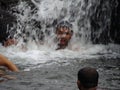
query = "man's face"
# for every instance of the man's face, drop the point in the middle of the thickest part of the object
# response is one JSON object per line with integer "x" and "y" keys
{"x": 63, "y": 35}
{"x": 10, "y": 42}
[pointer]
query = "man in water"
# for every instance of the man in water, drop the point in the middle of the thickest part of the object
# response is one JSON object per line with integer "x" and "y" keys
{"x": 87, "y": 79}
{"x": 4, "y": 62}
{"x": 9, "y": 42}
{"x": 64, "y": 33}
{"x": 7, "y": 63}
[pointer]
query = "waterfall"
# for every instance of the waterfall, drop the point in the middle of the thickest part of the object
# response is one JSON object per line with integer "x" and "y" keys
{"x": 36, "y": 21}
{"x": 35, "y": 31}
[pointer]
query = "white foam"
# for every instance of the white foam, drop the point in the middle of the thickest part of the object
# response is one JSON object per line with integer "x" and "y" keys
{"x": 44, "y": 56}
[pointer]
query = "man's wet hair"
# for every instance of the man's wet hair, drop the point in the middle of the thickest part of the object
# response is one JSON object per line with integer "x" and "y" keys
{"x": 88, "y": 77}
{"x": 64, "y": 24}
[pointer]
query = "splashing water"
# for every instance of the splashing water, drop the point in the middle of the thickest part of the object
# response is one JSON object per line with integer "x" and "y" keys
{"x": 35, "y": 31}
{"x": 39, "y": 23}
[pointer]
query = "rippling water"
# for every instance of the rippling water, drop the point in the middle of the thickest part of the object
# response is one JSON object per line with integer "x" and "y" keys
{"x": 51, "y": 70}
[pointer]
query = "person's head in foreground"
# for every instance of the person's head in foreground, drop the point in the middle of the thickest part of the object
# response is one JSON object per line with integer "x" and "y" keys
{"x": 64, "y": 33}
{"x": 87, "y": 79}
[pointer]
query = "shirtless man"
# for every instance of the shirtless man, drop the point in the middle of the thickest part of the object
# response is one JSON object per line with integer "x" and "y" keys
{"x": 9, "y": 42}
{"x": 64, "y": 33}
{"x": 9, "y": 65}
{"x": 87, "y": 79}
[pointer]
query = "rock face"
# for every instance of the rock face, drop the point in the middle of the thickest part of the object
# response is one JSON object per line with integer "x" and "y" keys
{"x": 115, "y": 23}
{"x": 106, "y": 17}
{"x": 6, "y": 17}
{"x": 6, "y": 4}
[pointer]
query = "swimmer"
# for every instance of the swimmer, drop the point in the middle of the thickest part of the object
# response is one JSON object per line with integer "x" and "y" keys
{"x": 9, "y": 42}
{"x": 63, "y": 33}
{"x": 7, "y": 63}
{"x": 87, "y": 79}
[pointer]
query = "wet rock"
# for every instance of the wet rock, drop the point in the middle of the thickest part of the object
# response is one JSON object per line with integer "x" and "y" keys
{"x": 7, "y": 19}
{"x": 115, "y": 23}
{"x": 105, "y": 22}
{"x": 6, "y": 4}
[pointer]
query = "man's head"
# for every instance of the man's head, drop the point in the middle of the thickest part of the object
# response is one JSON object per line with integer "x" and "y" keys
{"x": 87, "y": 78}
{"x": 64, "y": 33}
{"x": 9, "y": 42}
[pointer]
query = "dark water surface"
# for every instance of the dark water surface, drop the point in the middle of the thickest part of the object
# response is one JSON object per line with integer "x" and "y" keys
{"x": 63, "y": 76}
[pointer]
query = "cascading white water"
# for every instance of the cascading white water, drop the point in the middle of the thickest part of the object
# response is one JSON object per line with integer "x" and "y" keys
{"x": 46, "y": 12}
{"x": 36, "y": 22}
{"x": 35, "y": 31}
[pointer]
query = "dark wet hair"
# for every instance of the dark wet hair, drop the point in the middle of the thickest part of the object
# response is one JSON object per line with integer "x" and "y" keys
{"x": 64, "y": 24}
{"x": 88, "y": 77}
